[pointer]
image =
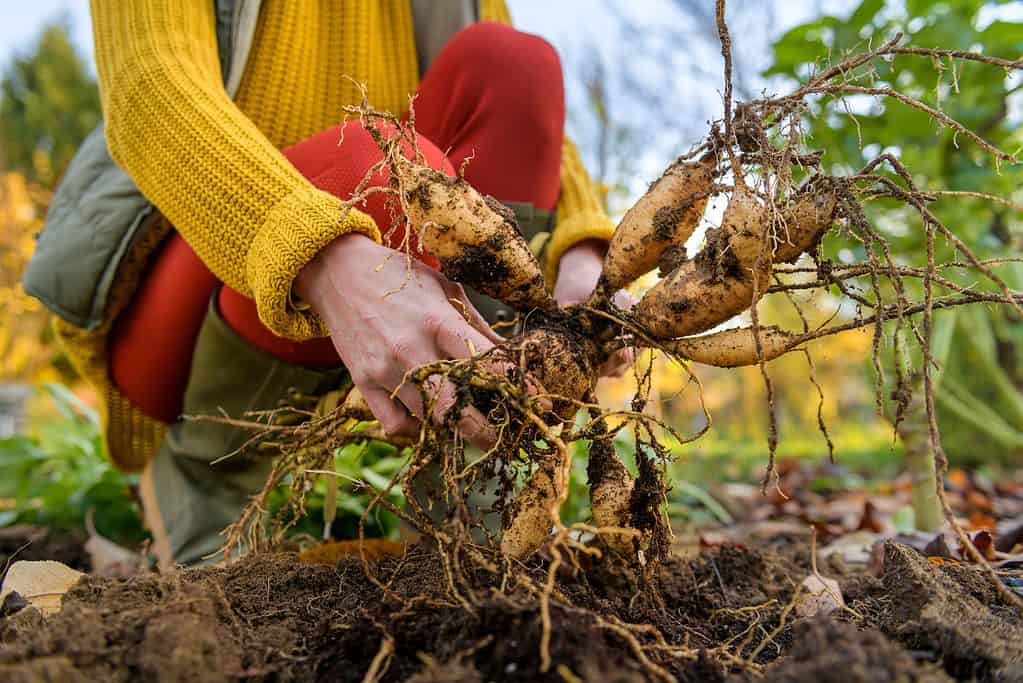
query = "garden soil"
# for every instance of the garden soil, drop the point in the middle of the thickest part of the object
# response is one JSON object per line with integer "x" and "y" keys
{"x": 724, "y": 614}
{"x": 38, "y": 543}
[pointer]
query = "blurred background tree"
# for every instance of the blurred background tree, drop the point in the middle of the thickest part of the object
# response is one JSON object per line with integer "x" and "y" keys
{"x": 980, "y": 403}
{"x": 48, "y": 103}
{"x": 26, "y": 344}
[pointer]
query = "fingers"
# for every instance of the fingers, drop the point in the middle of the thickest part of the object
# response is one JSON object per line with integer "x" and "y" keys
{"x": 459, "y": 300}
{"x": 392, "y": 416}
{"x": 618, "y": 363}
{"x": 456, "y": 338}
{"x": 452, "y": 337}
{"x": 578, "y": 272}
{"x": 408, "y": 395}
{"x": 474, "y": 427}
{"x": 471, "y": 422}
{"x": 441, "y": 395}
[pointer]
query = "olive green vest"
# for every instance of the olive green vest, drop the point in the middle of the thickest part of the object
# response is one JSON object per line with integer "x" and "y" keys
{"x": 98, "y": 214}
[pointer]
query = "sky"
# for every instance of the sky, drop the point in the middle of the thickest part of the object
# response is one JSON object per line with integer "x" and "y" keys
{"x": 20, "y": 21}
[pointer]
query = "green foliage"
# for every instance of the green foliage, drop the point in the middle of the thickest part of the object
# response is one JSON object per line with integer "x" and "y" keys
{"x": 853, "y": 130}
{"x": 361, "y": 469}
{"x": 56, "y": 476}
{"x": 48, "y": 103}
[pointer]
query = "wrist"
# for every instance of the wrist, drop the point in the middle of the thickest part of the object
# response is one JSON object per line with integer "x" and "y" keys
{"x": 317, "y": 277}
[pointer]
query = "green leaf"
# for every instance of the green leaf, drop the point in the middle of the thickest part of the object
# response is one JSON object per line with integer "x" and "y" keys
{"x": 377, "y": 481}
{"x": 1003, "y": 39}
{"x": 704, "y": 498}
{"x": 904, "y": 519}
{"x": 18, "y": 450}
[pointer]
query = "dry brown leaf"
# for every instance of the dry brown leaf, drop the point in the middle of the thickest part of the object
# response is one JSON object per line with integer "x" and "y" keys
{"x": 981, "y": 521}
{"x": 985, "y": 544}
{"x": 854, "y": 548}
{"x": 870, "y": 521}
{"x": 43, "y": 583}
{"x": 957, "y": 477}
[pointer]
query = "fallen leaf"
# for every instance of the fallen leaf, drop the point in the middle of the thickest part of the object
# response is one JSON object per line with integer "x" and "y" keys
{"x": 854, "y": 548}
{"x": 1010, "y": 534}
{"x": 869, "y": 520}
{"x": 979, "y": 501}
{"x": 823, "y": 596}
{"x": 938, "y": 547}
{"x": 958, "y": 478}
{"x": 927, "y": 544}
{"x": 43, "y": 583}
{"x": 1010, "y": 563}
{"x": 981, "y": 520}
{"x": 13, "y": 602}
{"x": 984, "y": 543}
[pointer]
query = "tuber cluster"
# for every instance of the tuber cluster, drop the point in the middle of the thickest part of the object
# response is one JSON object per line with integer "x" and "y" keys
{"x": 478, "y": 244}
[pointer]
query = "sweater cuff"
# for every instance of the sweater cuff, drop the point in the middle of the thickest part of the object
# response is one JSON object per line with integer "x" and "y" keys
{"x": 294, "y": 232}
{"x": 572, "y": 230}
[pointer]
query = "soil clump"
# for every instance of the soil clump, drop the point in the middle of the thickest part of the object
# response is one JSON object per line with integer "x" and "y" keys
{"x": 724, "y": 614}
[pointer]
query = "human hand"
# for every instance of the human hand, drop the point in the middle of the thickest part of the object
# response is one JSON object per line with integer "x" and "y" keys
{"x": 578, "y": 272}
{"x": 385, "y": 320}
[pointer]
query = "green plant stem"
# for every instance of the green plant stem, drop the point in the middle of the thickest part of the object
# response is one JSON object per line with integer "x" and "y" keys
{"x": 920, "y": 461}
{"x": 914, "y": 432}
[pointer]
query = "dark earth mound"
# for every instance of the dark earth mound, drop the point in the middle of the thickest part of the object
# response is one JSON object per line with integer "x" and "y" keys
{"x": 37, "y": 543}
{"x": 724, "y": 614}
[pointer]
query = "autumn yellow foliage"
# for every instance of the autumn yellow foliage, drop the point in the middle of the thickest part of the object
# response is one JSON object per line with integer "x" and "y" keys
{"x": 27, "y": 348}
{"x": 736, "y": 398}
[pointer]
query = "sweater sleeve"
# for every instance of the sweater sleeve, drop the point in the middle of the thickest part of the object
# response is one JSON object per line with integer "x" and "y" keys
{"x": 248, "y": 214}
{"x": 581, "y": 215}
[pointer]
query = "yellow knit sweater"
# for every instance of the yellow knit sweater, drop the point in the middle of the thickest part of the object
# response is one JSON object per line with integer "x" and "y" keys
{"x": 212, "y": 166}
